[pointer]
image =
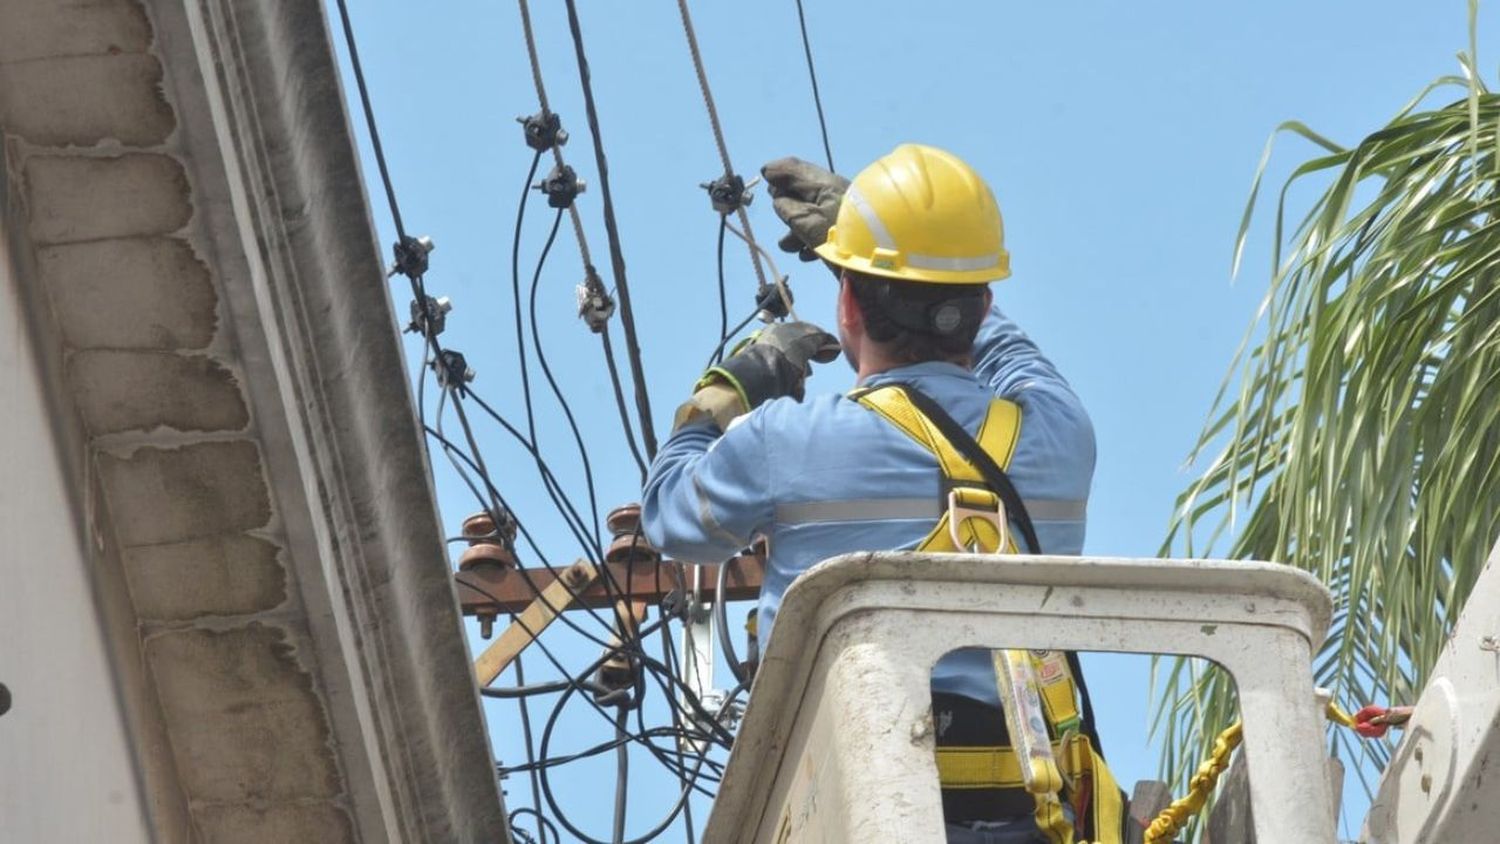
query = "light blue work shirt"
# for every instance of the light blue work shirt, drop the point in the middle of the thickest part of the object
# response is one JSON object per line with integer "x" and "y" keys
{"x": 827, "y": 476}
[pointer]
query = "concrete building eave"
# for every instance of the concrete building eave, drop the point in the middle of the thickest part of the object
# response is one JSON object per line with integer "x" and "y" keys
{"x": 248, "y": 630}
{"x": 325, "y": 372}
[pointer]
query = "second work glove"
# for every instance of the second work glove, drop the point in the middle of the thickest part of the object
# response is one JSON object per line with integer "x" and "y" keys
{"x": 806, "y": 197}
{"x": 774, "y": 363}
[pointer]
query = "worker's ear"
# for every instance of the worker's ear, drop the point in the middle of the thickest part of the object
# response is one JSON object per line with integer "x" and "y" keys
{"x": 851, "y": 320}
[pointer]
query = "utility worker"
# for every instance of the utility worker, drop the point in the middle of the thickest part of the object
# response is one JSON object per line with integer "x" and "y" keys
{"x": 914, "y": 241}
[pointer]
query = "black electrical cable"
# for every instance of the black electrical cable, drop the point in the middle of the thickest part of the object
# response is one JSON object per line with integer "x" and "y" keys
{"x": 536, "y": 550}
{"x": 530, "y": 747}
{"x": 721, "y": 613}
{"x": 509, "y": 692}
{"x": 580, "y": 529}
{"x": 479, "y": 496}
{"x": 549, "y": 480}
{"x": 812, "y": 75}
{"x": 570, "y": 515}
{"x": 527, "y": 811}
{"x": 541, "y": 359}
{"x": 619, "y": 391}
{"x": 622, "y": 775}
{"x": 603, "y": 747}
{"x": 364, "y": 99}
{"x": 723, "y": 294}
{"x": 656, "y": 669}
{"x": 562, "y": 816}
{"x": 668, "y": 658}
{"x": 577, "y": 684}
{"x": 616, "y": 257}
{"x": 730, "y": 335}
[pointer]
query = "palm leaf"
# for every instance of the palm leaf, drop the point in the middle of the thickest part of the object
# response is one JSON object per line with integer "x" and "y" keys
{"x": 1357, "y": 434}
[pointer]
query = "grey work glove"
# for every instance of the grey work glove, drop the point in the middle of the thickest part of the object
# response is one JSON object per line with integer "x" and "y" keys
{"x": 776, "y": 362}
{"x": 806, "y": 197}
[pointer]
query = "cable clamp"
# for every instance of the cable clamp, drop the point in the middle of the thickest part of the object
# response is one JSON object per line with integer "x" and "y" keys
{"x": 543, "y": 131}
{"x": 769, "y": 303}
{"x": 595, "y": 305}
{"x": 561, "y": 186}
{"x": 431, "y": 317}
{"x": 452, "y": 369}
{"x": 411, "y": 256}
{"x": 729, "y": 193}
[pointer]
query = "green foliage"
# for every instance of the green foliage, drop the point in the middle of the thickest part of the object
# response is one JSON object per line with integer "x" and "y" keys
{"x": 1357, "y": 435}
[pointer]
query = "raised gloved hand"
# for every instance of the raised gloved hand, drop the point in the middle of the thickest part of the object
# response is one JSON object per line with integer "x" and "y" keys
{"x": 773, "y": 363}
{"x": 806, "y": 197}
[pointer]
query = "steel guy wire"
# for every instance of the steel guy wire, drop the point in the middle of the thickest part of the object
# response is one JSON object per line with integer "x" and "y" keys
{"x": 723, "y": 148}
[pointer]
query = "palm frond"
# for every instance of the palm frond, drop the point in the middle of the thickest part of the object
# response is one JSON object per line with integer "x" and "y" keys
{"x": 1357, "y": 434}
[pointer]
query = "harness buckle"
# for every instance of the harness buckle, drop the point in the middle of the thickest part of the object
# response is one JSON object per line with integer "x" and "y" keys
{"x": 963, "y": 506}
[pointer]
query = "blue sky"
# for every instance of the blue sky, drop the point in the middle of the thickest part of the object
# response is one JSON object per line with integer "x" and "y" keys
{"x": 1120, "y": 139}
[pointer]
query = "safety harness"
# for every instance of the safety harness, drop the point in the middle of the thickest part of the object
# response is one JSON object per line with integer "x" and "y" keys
{"x": 979, "y": 504}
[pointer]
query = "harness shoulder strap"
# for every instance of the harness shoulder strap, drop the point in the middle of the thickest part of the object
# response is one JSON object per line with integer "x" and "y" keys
{"x": 960, "y": 456}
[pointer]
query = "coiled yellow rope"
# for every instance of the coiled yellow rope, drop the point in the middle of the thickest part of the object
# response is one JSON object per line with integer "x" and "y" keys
{"x": 1200, "y": 787}
{"x": 1172, "y": 818}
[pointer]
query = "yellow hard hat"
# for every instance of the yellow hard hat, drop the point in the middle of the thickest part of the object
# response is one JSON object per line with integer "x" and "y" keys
{"x": 920, "y": 214}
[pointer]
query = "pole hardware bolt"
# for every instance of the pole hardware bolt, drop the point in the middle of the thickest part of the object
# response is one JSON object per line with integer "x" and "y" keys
{"x": 728, "y": 194}
{"x": 543, "y": 131}
{"x": 411, "y": 256}
{"x": 429, "y": 317}
{"x": 452, "y": 369}
{"x": 561, "y": 186}
{"x": 769, "y": 303}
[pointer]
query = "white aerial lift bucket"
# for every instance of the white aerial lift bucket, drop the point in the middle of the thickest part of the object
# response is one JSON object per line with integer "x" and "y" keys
{"x": 837, "y": 741}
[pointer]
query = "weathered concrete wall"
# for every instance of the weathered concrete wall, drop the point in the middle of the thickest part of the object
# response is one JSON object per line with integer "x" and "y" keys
{"x": 262, "y": 547}
{"x": 69, "y": 771}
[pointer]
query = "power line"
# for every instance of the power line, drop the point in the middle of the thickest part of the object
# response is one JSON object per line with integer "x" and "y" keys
{"x": 812, "y": 75}
{"x": 616, "y": 257}
{"x": 364, "y": 99}
{"x": 593, "y": 287}
{"x": 723, "y": 148}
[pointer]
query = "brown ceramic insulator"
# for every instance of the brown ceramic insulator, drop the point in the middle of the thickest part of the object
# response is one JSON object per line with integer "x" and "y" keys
{"x": 631, "y": 548}
{"x": 623, "y": 520}
{"x": 480, "y": 527}
{"x": 486, "y": 553}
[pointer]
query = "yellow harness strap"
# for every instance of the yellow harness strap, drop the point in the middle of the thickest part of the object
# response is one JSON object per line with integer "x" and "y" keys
{"x": 999, "y": 767}
{"x": 997, "y": 436}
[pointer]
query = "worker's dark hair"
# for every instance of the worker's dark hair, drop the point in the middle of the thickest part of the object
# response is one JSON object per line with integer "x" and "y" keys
{"x": 919, "y": 322}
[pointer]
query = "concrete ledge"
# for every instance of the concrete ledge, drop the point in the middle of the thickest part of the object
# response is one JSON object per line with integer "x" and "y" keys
{"x": 311, "y": 305}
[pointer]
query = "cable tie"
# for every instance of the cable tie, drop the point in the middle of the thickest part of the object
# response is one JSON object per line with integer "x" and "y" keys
{"x": 411, "y": 256}
{"x": 561, "y": 186}
{"x": 729, "y": 193}
{"x": 431, "y": 317}
{"x": 595, "y": 305}
{"x": 543, "y": 131}
{"x": 771, "y": 304}
{"x": 452, "y": 369}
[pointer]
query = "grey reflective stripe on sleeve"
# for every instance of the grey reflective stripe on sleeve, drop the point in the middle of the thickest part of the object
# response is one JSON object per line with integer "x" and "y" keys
{"x": 706, "y": 516}
{"x": 889, "y": 509}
